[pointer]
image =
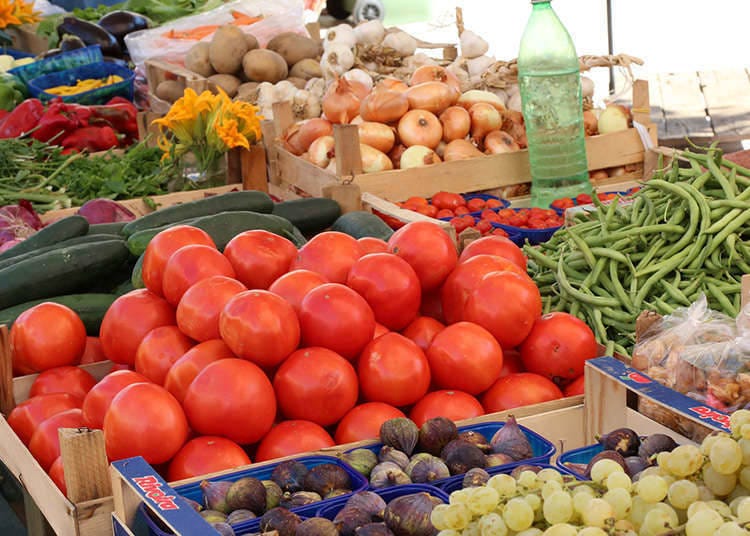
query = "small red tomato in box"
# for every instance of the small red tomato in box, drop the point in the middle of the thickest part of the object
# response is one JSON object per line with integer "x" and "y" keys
{"x": 583, "y": 199}
{"x": 460, "y": 223}
{"x": 499, "y": 232}
{"x": 493, "y": 203}
{"x": 490, "y": 215}
{"x": 462, "y": 210}
{"x": 476, "y": 204}
{"x": 484, "y": 226}
{"x": 563, "y": 203}
{"x": 427, "y": 210}
{"x": 448, "y": 200}
{"x": 606, "y": 196}
{"x": 445, "y": 213}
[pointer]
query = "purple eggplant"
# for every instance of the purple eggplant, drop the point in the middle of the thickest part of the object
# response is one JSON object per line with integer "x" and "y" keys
{"x": 91, "y": 34}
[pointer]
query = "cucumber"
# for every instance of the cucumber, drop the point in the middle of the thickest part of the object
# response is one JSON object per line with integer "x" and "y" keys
{"x": 137, "y": 242}
{"x": 85, "y": 239}
{"x": 311, "y": 215}
{"x": 250, "y": 200}
{"x": 53, "y": 234}
{"x": 361, "y": 224}
{"x": 60, "y": 271}
{"x": 89, "y": 307}
{"x": 137, "y": 277}
{"x": 123, "y": 288}
{"x": 114, "y": 228}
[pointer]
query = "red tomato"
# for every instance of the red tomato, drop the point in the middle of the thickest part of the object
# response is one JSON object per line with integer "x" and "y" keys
{"x": 199, "y": 309}
{"x": 476, "y": 204}
{"x": 394, "y": 370}
{"x": 466, "y": 357}
{"x": 432, "y": 306}
{"x": 445, "y": 213}
{"x": 93, "y": 352}
{"x": 260, "y": 326}
{"x": 520, "y": 389}
{"x": 380, "y": 329}
{"x": 294, "y": 286}
{"x": 364, "y": 422}
{"x": 583, "y": 199}
{"x": 231, "y": 398}
{"x": 454, "y": 405}
{"x": 45, "y": 443}
{"x": 335, "y": 317}
{"x": 461, "y": 223}
{"x": 29, "y": 414}
{"x": 57, "y": 475}
{"x": 558, "y": 346}
{"x": 71, "y": 380}
{"x": 417, "y": 201}
{"x": 316, "y": 384}
{"x": 369, "y": 244}
{"x": 259, "y": 257}
{"x": 464, "y": 279}
{"x": 98, "y": 400}
{"x": 158, "y": 352}
{"x": 499, "y": 232}
{"x": 490, "y": 215}
{"x": 162, "y": 246}
{"x": 390, "y": 286}
{"x": 128, "y": 320}
{"x": 292, "y": 437}
{"x": 506, "y": 304}
{"x": 422, "y": 330}
{"x": 331, "y": 254}
{"x": 448, "y": 200}
{"x": 186, "y": 368}
{"x": 494, "y": 245}
{"x": 511, "y": 362}
{"x": 46, "y": 336}
{"x": 462, "y": 211}
{"x": 144, "y": 420}
{"x": 189, "y": 265}
{"x": 428, "y": 249}
{"x": 205, "y": 455}
{"x": 429, "y": 210}
{"x": 483, "y": 226}
{"x": 494, "y": 203}
{"x": 576, "y": 387}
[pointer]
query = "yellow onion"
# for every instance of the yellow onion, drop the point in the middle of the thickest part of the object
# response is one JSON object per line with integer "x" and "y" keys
{"x": 418, "y": 156}
{"x": 432, "y": 96}
{"x": 420, "y": 127}
{"x": 456, "y": 123}
{"x": 484, "y": 119}
{"x": 374, "y": 160}
{"x": 392, "y": 84}
{"x": 614, "y": 118}
{"x": 376, "y": 135}
{"x": 299, "y": 137}
{"x": 357, "y": 120}
{"x": 359, "y": 89}
{"x": 434, "y": 73}
{"x": 341, "y": 103}
{"x": 384, "y": 106}
{"x": 599, "y": 174}
{"x": 474, "y": 96}
{"x": 321, "y": 151}
{"x": 497, "y": 142}
{"x": 460, "y": 150}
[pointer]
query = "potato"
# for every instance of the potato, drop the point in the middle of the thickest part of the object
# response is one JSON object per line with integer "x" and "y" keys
{"x": 248, "y": 91}
{"x": 299, "y": 83}
{"x": 227, "y": 48}
{"x": 227, "y": 82}
{"x": 294, "y": 47}
{"x": 252, "y": 42}
{"x": 170, "y": 90}
{"x": 197, "y": 60}
{"x": 306, "y": 69}
{"x": 263, "y": 65}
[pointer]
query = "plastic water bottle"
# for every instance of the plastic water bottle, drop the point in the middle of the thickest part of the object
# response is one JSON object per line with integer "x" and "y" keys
{"x": 550, "y": 81}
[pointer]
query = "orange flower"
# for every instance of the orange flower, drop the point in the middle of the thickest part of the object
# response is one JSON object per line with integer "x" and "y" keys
{"x": 7, "y": 14}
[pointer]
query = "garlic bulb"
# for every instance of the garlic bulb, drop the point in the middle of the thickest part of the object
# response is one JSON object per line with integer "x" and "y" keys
{"x": 338, "y": 59}
{"x": 305, "y": 105}
{"x": 501, "y": 94}
{"x": 587, "y": 87}
{"x": 472, "y": 46}
{"x": 371, "y": 32}
{"x": 514, "y": 102}
{"x": 458, "y": 69}
{"x": 401, "y": 42}
{"x": 418, "y": 60}
{"x": 342, "y": 34}
{"x": 512, "y": 90}
{"x": 284, "y": 91}
{"x": 316, "y": 87}
{"x": 478, "y": 66}
{"x": 358, "y": 75}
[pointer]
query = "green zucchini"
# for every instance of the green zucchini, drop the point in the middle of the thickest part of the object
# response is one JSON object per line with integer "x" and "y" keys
{"x": 311, "y": 215}
{"x": 114, "y": 228}
{"x": 137, "y": 242}
{"x": 90, "y": 307}
{"x": 361, "y": 224}
{"x": 54, "y": 233}
{"x": 123, "y": 288}
{"x": 60, "y": 271}
{"x": 84, "y": 239}
{"x": 137, "y": 277}
{"x": 249, "y": 200}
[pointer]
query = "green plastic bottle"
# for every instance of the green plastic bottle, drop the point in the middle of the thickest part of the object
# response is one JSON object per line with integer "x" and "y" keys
{"x": 550, "y": 81}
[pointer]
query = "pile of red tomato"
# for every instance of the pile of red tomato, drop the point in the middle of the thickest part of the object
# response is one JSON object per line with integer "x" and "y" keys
{"x": 265, "y": 350}
{"x": 586, "y": 199}
{"x": 530, "y": 218}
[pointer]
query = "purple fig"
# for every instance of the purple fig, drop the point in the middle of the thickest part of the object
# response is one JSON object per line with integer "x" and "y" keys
{"x": 461, "y": 456}
{"x": 215, "y": 495}
{"x": 281, "y": 520}
{"x": 299, "y": 498}
{"x": 634, "y": 465}
{"x": 238, "y": 516}
{"x": 367, "y": 501}
{"x": 654, "y": 444}
{"x": 361, "y": 460}
{"x": 511, "y": 440}
{"x": 476, "y": 438}
{"x": 435, "y": 434}
{"x": 247, "y": 493}
{"x": 409, "y": 515}
{"x": 317, "y": 526}
{"x": 290, "y": 475}
{"x": 273, "y": 494}
{"x": 326, "y": 477}
{"x": 193, "y": 504}
{"x": 400, "y": 433}
{"x": 423, "y": 470}
{"x": 349, "y": 519}
{"x": 495, "y": 460}
{"x": 623, "y": 440}
{"x": 373, "y": 529}
{"x": 389, "y": 454}
{"x": 213, "y": 516}
{"x": 224, "y": 529}
{"x": 388, "y": 474}
{"x": 475, "y": 477}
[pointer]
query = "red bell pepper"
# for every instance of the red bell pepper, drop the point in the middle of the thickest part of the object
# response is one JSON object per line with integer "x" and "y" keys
{"x": 120, "y": 114}
{"x": 91, "y": 139}
{"x": 25, "y": 117}
{"x": 60, "y": 119}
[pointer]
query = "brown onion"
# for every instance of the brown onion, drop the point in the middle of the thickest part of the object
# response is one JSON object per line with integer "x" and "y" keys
{"x": 484, "y": 119}
{"x": 322, "y": 151}
{"x": 392, "y": 84}
{"x": 418, "y": 156}
{"x": 395, "y": 155}
{"x": 599, "y": 174}
{"x": 384, "y": 106}
{"x": 432, "y": 96}
{"x": 460, "y": 150}
{"x": 590, "y": 123}
{"x": 374, "y": 160}
{"x": 300, "y": 135}
{"x": 357, "y": 120}
{"x": 456, "y": 123}
{"x": 434, "y": 73}
{"x": 359, "y": 89}
{"x": 497, "y": 142}
{"x": 376, "y": 135}
{"x": 420, "y": 127}
{"x": 473, "y": 96}
{"x": 340, "y": 103}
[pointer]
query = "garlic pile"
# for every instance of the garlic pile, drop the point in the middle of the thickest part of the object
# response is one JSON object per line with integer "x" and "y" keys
{"x": 306, "y": 102}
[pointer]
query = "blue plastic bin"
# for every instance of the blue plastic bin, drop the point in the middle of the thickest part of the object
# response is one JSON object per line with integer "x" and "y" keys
{"x": 57, "y": 63}
{"x": 457, "y": 482}
{"x": 15, "y": 54}
{"x": 582, "y": 455}
{"x": 334, "y": 506}
{"x": 70, "y": 77}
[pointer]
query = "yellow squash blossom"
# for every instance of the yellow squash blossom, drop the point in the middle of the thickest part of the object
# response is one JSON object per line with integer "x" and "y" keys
{"x": 7, "y": 14}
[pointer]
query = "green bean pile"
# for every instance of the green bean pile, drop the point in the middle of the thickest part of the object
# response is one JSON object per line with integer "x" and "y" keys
{"x": 686, "y": 232}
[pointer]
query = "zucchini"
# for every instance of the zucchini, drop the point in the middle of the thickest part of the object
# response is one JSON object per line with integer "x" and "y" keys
{"x": 84, "y": 239}
{"x": 54, "y": 233}
{"x": 123, "y": 288}
{"x": 250, "y": 200}
{"x": 137, "y": 242}
{"x": 89, "y": 307}
{"x": 60, "y": 271}
{"x": 114, "y": 228}
{"x": 361, "y": 224}
{"x": 311, "y": 215}
{"x": 137, "y": 277}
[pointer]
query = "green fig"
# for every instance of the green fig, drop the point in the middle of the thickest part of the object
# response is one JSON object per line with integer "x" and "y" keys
{"x": 247, "y": 493}
{"x": 361, "y": 460}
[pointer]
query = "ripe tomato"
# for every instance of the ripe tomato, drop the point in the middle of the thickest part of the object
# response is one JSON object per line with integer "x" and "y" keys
{"x": 294, "y": 286}
{"x": 511, "y": 362}
{"x": 394, "y": 370}
{"x": 462, "y": 281}
{"x": 316, "y": 384}
{"x": 199, "y": 309}
{"x": 494, "y": 203}
{"x": 520, "y": 389}
{"x": 45, "y": 443}
{"x": 232, "y": 398}
{"x": 576, "y": 387}
{"x": 205, "y": 455}
{"x": 448, "y": 200}
{"x": 558, "y": 346}
{"x": 29, "y": 414}
{"x": 186, "y": 368}
{"x": 191, "y": 264}
{"x": 71, "y": 380}
{"x": 330, "y": 254}
{"x": 422, "y": 330}
{"x": 390, "y": 286}
{"x": 260, "y": 326}
{"x": 144, "y": 420}
{"x": 335, "y": 317}
{"x": 162, "y": 246}
{"x": 292, "y": 437}
{"x": 259, "y": 257}
{"x": 495, "y": 245}
{"x": 364, "y": 422}
{"x": 475, "y": 204}
{"x": 462, "y": 222}
{"x": 380, "y": 329}
{"x": 428, "y": 249}
{"x": 445, "y": 213}
{"x": 369, "y": 244}
{"x": 454, "y": 405}
{"x": 483, "y": 226}
{"x": 466, "y": 357}
{"x": 464, "y": 211}
{"x": 432, "y": 306}
{"x": 417, "y": 201}
{"x": 158, "y": 352}
{"x": 429, "y": 210}
{"x": 57, "y": 474}
{"x": 93, "y": 352}
{"x": 128, "y": 320}
{"x": 98, "y": 400}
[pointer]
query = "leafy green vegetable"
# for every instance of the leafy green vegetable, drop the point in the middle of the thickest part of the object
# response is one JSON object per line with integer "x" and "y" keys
{"x": 93, "y": 14}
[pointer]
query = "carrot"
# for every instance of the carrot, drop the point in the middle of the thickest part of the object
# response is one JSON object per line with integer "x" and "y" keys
{"x": 240, "y": 19}
{"x": 199, "y": 32}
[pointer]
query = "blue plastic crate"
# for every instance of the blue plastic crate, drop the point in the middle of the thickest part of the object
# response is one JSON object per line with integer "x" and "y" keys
{"x": 334, "y": 506}
{"x": 582, "y": 455}
{"x": 57, "y": 63}
{"x": 70, "y": 77}
{"x": 15, "y": 54}
{"x": 457, "y": 482}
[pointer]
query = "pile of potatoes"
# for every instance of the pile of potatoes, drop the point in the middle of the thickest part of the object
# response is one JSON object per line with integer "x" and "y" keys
{"x": 234, "y": 61}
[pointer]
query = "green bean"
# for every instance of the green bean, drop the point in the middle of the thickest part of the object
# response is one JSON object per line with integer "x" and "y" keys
{"x": 665, "y": 268}
{"x": 539, "y": 257}
{"x": 726, "y": 305}
{"x": 581, "y": 296}
{"x": 701, "y": 180}
{"x": 636, "y": 232}
{"x": 618, "y": 288}
{"x": 675, "y": 293}
{"x": 599, "y": 330}
{"x": 583, "y": 248}
{"x": 609, "y": 348}
{"x": 729, "y": 229}
{"x": 729, "y": 192}
{"x": 737, "y": 301}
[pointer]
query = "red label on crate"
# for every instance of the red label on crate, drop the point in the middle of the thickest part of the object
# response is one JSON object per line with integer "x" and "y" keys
{"x": 637, "y": 378}
{"x": 704, "y": 412}
{"x": 152, "y": 487}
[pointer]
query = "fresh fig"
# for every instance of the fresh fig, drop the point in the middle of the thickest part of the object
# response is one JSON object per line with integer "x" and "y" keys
{"x": 326, "y": 477}
{"x": 215, "y": 495}
{"x": 349, "y": 519}
{"x": 511, "y": 440}
{"x": 623, "y": 440}
{"x": 424, "y": 470}
{"x": 224, "y": 529}
{"x": 248, "y": 494}
{"x": 388, "y": 474}
{"x": 195, "y": 505}
{"x": 373, "y": 529}
{"x": 290, "y": 475}
{"x": 606, "y": 454}
{"x": 238, "y": 516}
{"x": 409, "y": 515}
{"x": 461, "y": 456}
{"x": 317, "y": 526}
{"x": 578, "y": 468}
{"x": 361, "y": 460}
{"x": 634, "y": 465}
{"x": 273, "y": 494}
{"x": 213, "y": 516}
{"x": 654, "y": 444}
{"x": 367, "y": 501}
{"x": 400, "y": 433}
{"x": 299, "y": 498}
{"x": 281, "y": 520}
{"x": 475, "y": 477}
{"x": 435, "y": 434}
{"x": 476, "y": 438}
{"x": 495, "y": 460}
{"x": 389, "y": 454}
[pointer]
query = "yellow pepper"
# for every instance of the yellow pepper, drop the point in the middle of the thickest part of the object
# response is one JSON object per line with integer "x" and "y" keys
{"x": 84, "y": 85}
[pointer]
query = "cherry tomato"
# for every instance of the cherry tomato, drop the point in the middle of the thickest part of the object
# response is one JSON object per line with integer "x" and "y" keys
{"x": 71, "y": 380}
{"x": 186, "y": 368}
{"x": 259, "y": 257}
{"x": 428, "y": 249}
{"x": 494, "y": 245}
{"x": 294, "y": 286}
{"x": 45, "y": 443}
{"x": 369, "y": 245}
{"x": 292, "y": 437}
{"x": 453, "y": 405}
{"x": 364, "y": 421}
{"x": 158, "y": 352}
{"x": 417, "y": 201}
{"x": 517, "y": 390}
{"x": 460, "y": 223}
{"x": 189, "y": 265}
{"x": 448, "y": 200}
{"x": 490, "y": 215}
{"x": 476, "y": 204}
{"x": 331, "y": 254}
{"x": 461, "y": 211}
{"x": 205, "y": 455}
{"x": 93, "y": 352}
{"x": 429, "y": 210}
{"x": 583, "y": 199}
{"x": 99, "y": 398}
{"x": 57, "y": 474}
{"x": 483, "y": 226}
{"x": 422, "y": 330}
{"x": 576, "y": 387}
{"x": 494, "y": 203}
{"x": 200, "y": 307}
{"x": 26, "y": 417}
{"x": 445, "y": 213}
